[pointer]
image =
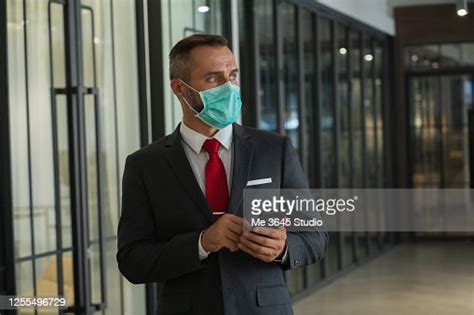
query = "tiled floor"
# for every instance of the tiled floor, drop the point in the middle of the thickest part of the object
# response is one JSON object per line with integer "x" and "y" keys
{"x": 424, "y": 278}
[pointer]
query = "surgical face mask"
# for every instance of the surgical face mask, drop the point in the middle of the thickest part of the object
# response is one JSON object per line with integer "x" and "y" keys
{"x": 222, "y": 105}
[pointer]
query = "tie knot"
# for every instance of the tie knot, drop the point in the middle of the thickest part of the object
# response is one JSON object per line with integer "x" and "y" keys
{"x": 211, "y": 146}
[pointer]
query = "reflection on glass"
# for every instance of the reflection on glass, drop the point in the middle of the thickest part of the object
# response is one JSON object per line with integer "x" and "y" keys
{"x": 114, "y": 73}
{"x": 378, "y": 98}
{"x": 64, "y": 180}
{"x": 327, "y": 115}
{"x": 116, "y": 78}
{"x": 343, "y": 97}
{"x": 46, "y": 276}
{"x": 114, "y": 291}
{"x": 290, "y": 74}
{"x": 446, "y": 55}
{"x": 309, "y": 160}
{"x": 425, "y": 132}
{"x": 455, "y": 130}
{"x": 328, "y": 127}
{"x": 267, "y": 54}
{"x": 369, "y": 112}
{"x": 440, "y": 130}
{"x": 40, "y": 127}
{"x": 184, "y": 18}
{"x": 345, "y": 179}
{"x": 381, "y": 178}
{"x": 18, "y": 129}
{"x": 309, "y": 106}
{"x": 422, "y": 57}
{"x": 356, "y": 109}
{"x": 94, "y": 264}
{"x": 24, "y": 277}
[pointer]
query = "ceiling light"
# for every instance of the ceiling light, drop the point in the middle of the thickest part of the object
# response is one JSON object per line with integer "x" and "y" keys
{"x": 342, "y": 51}
{"x": 461, "y": 7}
{"x": 203, "y": 8}
{"x": 368, "y": 57}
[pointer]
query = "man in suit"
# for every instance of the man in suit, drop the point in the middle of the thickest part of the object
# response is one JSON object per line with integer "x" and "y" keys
{"x": 181, "y": 221}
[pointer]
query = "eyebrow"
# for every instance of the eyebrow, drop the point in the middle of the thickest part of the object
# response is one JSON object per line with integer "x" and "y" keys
{"x": 220, "y": 72}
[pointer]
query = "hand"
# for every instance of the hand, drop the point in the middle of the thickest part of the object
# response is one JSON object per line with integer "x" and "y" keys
{"x": 224, "y": 233}
{"x": 268, "y": 245}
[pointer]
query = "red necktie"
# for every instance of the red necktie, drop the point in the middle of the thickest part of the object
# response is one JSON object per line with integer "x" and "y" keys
{"x": 217, "y": 194}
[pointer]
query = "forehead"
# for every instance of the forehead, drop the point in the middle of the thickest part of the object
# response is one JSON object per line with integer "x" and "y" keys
{"x": 208, "y": 58}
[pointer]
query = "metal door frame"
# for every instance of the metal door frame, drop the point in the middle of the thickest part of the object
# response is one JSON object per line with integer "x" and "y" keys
{"x": 7, "y": 263}
{"x": 75, "y": 92}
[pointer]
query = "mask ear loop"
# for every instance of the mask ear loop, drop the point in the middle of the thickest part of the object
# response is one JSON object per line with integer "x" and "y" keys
{"x": 189, "y": 86}
{"x": 196, "y": 113}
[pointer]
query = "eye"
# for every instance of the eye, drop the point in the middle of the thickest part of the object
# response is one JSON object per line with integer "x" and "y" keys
{"x": 212, "y": 79}
{"x": 233, "y": 77}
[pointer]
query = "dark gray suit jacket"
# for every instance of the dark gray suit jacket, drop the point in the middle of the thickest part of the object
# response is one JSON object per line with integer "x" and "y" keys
{"x": 164, "y": 211}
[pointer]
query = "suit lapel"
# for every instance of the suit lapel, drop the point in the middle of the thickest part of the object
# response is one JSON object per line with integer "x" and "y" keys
{"x": 243, "y": 152}
{"x": 176, "y": 158}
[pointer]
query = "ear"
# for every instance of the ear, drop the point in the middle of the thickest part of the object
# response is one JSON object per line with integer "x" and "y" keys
{"x": 177, "y": 87}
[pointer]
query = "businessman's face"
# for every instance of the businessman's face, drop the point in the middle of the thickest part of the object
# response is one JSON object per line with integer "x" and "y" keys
{"x": 209, "y": 67}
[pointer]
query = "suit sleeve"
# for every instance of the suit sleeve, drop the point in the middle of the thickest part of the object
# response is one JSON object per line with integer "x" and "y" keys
{"x": 141, "y": 258}
{"x": 304, "y": 248}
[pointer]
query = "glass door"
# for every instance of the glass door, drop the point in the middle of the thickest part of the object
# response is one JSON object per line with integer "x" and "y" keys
{"x": 74, "y": 118}
{"x": 439, "y": 130}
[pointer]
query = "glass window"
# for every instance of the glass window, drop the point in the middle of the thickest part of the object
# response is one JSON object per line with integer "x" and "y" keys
{"x": 310, "y": 83}
{"x": 267, "y": 66}
{"x": 182, "y": 18}
{"x": 369, "y": 111}
{"x": 467, "y": 53}
{"x": 422, "y": 57}
{"x": 345, "y": 154}
{"x": 450, "y": 55}
{"x": 342, "y": 56}
{"x": 327, "y": 106}
{"x": 290, "y": 104}
{"x": 327, "y": 54}
{"x": 313, "y": 272}
{"x": 425, "y": 132}
{"x": 439, "y": 130}
{"x": 356, "y": 108}
{"x": 436, "y": 56}
{"x": 378, "y": 98}
{"x": 35, "y": 68}
{"x": 290, "y": 73}
{"x": 18, "y": 130}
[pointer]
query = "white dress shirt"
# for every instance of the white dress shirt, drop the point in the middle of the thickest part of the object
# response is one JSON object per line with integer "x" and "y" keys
{"x": 192, "y": 143}
{"x": 197, "y": 156}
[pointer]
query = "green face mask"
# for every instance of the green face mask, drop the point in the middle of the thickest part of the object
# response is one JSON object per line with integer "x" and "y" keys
{"x": 221, "y": 105}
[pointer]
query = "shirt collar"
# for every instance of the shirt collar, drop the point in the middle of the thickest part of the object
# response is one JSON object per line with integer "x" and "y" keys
{"x": 195, "y": 140}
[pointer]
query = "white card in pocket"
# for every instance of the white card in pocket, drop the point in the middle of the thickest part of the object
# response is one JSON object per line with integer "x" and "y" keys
{"x": 259, "y": 181}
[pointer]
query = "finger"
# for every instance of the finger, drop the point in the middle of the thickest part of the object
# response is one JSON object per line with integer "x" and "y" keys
{"x": 236, "y": 219}
{"x": 235, "y": 228}
{"x": 233, "y": 218}
{"x": 231, "y": 245}
{"x": 263, "y": 250}
{"x": 271, "y": 232}
{"x": 262, "y": 240}
{"x": 234, "y": 237}
{"x": 249, "y": 251}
